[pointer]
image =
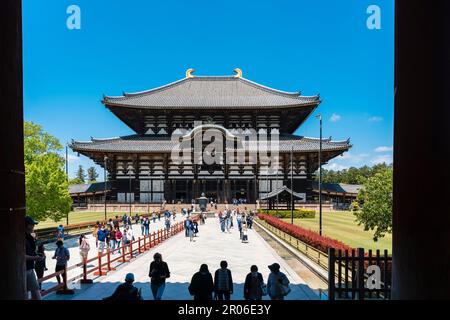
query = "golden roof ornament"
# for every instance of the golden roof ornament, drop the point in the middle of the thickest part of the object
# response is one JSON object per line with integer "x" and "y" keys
{"x": 189, "y": 73}
{"x": 238, "y": 73}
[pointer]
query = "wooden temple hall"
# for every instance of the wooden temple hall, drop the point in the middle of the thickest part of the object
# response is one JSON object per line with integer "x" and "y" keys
{"x": 141, "y": 167}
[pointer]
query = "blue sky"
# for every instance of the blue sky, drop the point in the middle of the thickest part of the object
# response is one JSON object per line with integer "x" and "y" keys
{"x": 321, "y": 46}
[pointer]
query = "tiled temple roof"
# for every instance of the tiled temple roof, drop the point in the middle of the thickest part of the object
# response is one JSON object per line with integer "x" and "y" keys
{"x": 338, "y": 188}
{"x": 211, "y": 92}
{"x": 162, "y": 144}
{"x": 97, "y": 187}
{"x": 279, "y": 191}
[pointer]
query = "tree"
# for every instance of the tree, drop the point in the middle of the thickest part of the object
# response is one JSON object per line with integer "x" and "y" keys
{"x": 92, "y": 175}
{"x": 80, "y": 174}
{"x": 352, "y": 175}
{"x": 376, "y": 198}
{"x": 47, "y": 192}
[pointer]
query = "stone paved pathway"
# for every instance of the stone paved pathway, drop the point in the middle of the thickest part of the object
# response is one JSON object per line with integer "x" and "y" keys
{"x": 184, "y": 259}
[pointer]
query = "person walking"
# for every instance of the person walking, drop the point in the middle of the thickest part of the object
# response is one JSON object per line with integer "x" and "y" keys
{"x": 250, "y": 220}
{"x": 244, "y": 233}
{"x": 228, "y": 221}
{"x": 142, "y": 223}
{"x": 137, "y": 219}
{"x": 186, "y": 227}
{"x": 116, "y": 222}
{"x": 110, "y": 223}
{"x": 254, "y": 287}
{"x": 40, "y": 265}
{"x": 233, "y": 213}
{"x": 126, "y": 291}
{"x": 222, "y": 221}
{"x": 125, "y": 240}
{"x": 146, "y": 226}
{"x": 124, "y": 220}
{"x": 202, "y": 218}
{"x": 108, "y": 236}
{"x": 60, "y": 232}
{"x": 278, "y": 283}
{"x": 31, "y": 257}
{"x": 195, "y": 228}
{"x": 202, "y": 285}
{"x": 223, "y": 282}
{"x": 239, "y": 219}
{"x": 167, "y": 223}
{"x": 62, "y": 255}
{"x": 95, "y": 233}
{"x": 159, "y": 272}
{"x": 118, "y": 238}
{"x": 130, "y": 237}
{"x": 191, "y": 228}
{"x": 101, "y": 237}
{"x": 112, "y": 239}
{"x": 84, "y": 247}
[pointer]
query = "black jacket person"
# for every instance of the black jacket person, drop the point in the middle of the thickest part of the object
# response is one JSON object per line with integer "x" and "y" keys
{"x": 202, "y": 285}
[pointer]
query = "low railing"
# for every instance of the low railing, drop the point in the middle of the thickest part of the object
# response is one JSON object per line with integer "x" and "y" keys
{"x": 105, "y": 262}
{"x": 317, "y": 256}
{"x": 349, "y": 268}
{"x": 48, "y": 234}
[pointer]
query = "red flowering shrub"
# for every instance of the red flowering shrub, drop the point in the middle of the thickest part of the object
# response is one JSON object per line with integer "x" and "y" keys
{"x": 309, "y": 237}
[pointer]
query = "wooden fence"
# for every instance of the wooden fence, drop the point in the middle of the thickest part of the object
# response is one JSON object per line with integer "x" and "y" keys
{"x": 50, "y": 234}
{"x": 348, "y": 276}
{"x": 105, "y": 262}
{"x": 346, "y": 279}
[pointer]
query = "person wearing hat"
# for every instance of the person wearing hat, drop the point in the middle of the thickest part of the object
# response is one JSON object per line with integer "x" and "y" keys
{"x": 31, "y": 257}
{"x": 277, "y": 284}
{"x": 126, "y": 291}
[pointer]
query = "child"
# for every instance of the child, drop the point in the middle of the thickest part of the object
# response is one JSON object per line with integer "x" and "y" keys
{"x": 40, "y": 266}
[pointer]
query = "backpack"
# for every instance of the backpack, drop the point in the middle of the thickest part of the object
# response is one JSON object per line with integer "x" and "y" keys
{"x": 257, "y": 286}
{"x": 85, "y": 247}
{"x": 285, "y": 288}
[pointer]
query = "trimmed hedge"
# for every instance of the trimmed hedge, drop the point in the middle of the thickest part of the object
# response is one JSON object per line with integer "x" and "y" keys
{"x": 309, "y": 237}
{"x": 284, "y": 214}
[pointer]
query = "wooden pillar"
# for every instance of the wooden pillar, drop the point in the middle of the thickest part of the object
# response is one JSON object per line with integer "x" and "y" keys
{"x": 248, "y": 191}
{"x": 421, "y": 251}
{"x": 218, "y": 196}
{"x": 188, "y": 193}
{"x": 12, "y": 202}
{"x": 112, "y": 178}
{"x": 136, "y": 182}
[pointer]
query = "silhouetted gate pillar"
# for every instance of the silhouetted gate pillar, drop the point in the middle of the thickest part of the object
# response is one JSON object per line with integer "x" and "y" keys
{"x": 421, "y": 231}
{"x": 12, "y": 199}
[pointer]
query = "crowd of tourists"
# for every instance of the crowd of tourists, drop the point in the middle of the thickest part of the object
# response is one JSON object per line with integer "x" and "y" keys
{"x": 244, "y": 221}
{"x": 112, "y": 236}
{"x": 115, "y": 235}
{"x": 204, "y": 286}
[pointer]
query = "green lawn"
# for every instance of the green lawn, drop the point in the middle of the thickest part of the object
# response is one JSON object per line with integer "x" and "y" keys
{"x": 79, "y": 217}
{"x": 342, "y": 226}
